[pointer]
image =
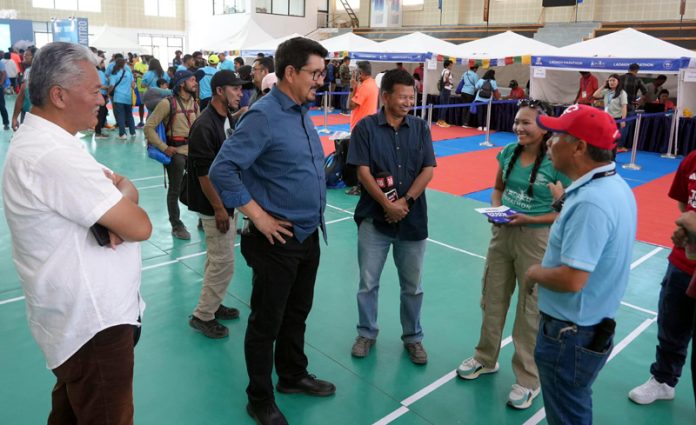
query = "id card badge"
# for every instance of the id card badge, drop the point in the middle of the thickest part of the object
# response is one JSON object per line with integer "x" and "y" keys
{"x": 584, "y": 94}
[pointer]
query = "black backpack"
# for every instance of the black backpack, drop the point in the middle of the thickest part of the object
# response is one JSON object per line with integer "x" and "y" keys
{"x": 486, "y": 90}
{"x": 441, "y": 81}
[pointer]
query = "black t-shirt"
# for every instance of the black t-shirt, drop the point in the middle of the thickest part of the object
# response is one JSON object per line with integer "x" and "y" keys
{"x": 205, "y": 140}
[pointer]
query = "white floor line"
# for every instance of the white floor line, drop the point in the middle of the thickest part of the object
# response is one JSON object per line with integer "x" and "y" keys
{"x": 424, "y": 392}
{"x": 146, "y": 178}
{"x": 340, "y": 209}
{"x": 177, "y": 259}
{"x": 392, "y": 416}
{"x": 339, "y": 219}
{"x": 457, "y": 249}
{"x": 541, "y": 414}
{"x": 11, "y": 300}
{"x": 635, "y": 307}
{"x": 645, "y": 258}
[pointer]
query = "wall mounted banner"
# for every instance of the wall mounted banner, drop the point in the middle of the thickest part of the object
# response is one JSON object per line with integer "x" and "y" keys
{"x": 611, "y": 64}
{"x": 73, "y": 30}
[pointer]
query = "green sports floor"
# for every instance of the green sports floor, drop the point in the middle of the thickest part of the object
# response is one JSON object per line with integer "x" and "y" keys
{"x": 182, "y": 377}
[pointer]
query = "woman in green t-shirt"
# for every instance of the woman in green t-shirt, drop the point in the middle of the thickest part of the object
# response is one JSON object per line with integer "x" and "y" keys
{"x": 522, "y": 184}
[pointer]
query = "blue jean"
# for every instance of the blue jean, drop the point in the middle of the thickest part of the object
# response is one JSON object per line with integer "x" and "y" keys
{"x": 124, "y": 117}
{"x": 673, "y": 326}
{"x": 444, "y": 100}
{"x": 344, "y": 99}
{"x": 567, "y": 370}
{"x": 373, "y": 247}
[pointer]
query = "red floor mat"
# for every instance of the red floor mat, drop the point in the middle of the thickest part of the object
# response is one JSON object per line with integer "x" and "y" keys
{"x": 327, "y": 144}
{"x": 333, "y": 119}
{"x": 656, "y": 211}
{"x": 453, "y": 132}
{"x": 465, "y": 173}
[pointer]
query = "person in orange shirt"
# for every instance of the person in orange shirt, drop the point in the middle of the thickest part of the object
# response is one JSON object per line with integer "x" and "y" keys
{"x": 364, "y": 94}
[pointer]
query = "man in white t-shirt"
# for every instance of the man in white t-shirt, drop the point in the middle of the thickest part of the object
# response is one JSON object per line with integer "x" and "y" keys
{"x": 83, "y": 300}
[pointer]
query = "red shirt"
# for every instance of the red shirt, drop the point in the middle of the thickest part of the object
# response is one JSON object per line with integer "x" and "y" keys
{"x": 517, "y": 93}
{"x": 684, "y": 190}
{"x": 587, "y": 88}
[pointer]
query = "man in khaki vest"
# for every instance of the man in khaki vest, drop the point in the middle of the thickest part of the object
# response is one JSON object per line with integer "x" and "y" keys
{"x": 183, "y": 104}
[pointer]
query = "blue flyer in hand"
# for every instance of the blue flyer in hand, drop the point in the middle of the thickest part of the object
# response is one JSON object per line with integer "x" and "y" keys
{"x": 498, "y": 215}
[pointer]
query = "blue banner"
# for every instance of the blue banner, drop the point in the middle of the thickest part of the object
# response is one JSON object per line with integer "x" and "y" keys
{"x": 391, "y": 57}
{"x": 610, "y": 64}
{"x": 73, "y": 30}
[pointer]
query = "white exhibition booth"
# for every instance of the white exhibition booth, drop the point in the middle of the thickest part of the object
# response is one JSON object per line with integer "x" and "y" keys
{"x": 555, "y": 77}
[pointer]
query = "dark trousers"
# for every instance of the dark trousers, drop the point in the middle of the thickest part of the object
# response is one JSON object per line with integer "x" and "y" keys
{"x": 124, "y": 117}
{"x": 283, "y": 290}
{"x": 3, "y": 110}
{"x": 466, "y": 98}
{"x": 344, "y": 99}
{"x": 674, "y": 328}
{"x": 175, "y": 173}
{"x": 101, "y": 116}
{"x": 441, "y": 114}
{"x": 95, "y": 385}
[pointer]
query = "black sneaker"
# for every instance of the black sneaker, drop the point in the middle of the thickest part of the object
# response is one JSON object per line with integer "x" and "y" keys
{"x": 226, "y": 313}
{"x": 211, "y": 329}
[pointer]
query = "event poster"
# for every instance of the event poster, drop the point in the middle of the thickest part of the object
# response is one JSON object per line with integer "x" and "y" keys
{"x": 73, "y": 30}
{"x": 385, "y": 13}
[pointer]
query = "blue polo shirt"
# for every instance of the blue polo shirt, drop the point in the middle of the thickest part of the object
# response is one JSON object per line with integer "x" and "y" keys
{"x": 204, "y": 90}
{"x": 403, "y": 153}
{"x": 123, "y": 92}
{"x": 150, "y": 79}
{"x": 275, "y": 157}
{"x": 594, "y": 232}
{"x": 226, "y": 65}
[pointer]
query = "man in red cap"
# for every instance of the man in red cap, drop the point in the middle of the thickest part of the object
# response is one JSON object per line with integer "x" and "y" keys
{"x": 584, "y": 273}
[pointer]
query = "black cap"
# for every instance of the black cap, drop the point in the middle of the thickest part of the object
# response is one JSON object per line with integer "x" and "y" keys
{"x": 225, "y": 78}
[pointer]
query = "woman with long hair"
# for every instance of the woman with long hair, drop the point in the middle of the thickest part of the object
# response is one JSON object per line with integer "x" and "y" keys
{"x": 522, "y": 183}
{"x": 615, "y": 104}
{"x": 155, "y": 72}
{"x": 121, "y": 84}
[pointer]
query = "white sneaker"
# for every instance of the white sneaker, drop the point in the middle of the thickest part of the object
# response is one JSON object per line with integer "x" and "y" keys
{"x": 521, "y": 397}
{"x": 471, "y": 369}
{"x": 651, "y": 391}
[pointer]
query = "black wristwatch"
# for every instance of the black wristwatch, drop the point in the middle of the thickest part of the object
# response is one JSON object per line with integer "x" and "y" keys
{"x": 409, "y": 200}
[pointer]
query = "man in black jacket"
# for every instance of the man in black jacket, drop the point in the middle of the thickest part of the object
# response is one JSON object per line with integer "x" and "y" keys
{"x": 205, "y": 140}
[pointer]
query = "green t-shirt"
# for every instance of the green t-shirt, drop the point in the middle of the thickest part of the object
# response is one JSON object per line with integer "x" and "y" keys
{"x": 515, "y": 193}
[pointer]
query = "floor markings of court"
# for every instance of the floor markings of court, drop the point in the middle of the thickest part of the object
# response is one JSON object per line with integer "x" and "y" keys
{"x": 178, "y": 372}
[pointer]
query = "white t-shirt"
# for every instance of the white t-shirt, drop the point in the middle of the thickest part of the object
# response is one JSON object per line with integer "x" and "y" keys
{"x": 53, "y": 191}
{"x": 10, "y": 68}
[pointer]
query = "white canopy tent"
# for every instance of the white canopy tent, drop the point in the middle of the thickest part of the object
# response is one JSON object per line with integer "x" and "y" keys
{"x": 268, "y": 47}
{"x": 248, "y": 34}
{"x": 612, "y": 53}
{"x": 110, "y": 41}
{"x": 348, "y": 42}
{"x": 411, "y": 48}
{"x": 508, "y": 50}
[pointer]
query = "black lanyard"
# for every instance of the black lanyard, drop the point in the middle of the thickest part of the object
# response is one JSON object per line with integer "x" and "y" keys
{"x": 558, "y": 204}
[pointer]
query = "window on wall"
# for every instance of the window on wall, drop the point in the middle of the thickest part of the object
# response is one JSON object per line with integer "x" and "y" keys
{"x": 281, "y": 7}
{"x": 163, "y": 8}
{"x": 81, "y": 5}
{"x": 354, "y": 4}
{"x": 412, "y": 4}
{"x": 161, "y": 47}
{"x": 323, "y": 6}
{"x": 227, "y": 7}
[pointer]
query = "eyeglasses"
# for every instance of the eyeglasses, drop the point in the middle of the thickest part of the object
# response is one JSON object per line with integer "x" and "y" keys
{"x": 539, "y": 105}
{"x": 316, "y": 74}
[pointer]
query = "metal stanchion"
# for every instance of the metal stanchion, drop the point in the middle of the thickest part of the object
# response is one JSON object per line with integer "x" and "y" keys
{"x": 487, "y": 142}
{"x": 430, "y": 115}
{"x": 672, "y": 128}
{"x": 636, "y": 132}
{"x": 325, "y": 130}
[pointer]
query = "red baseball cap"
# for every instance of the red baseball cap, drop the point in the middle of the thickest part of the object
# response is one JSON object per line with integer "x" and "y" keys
{"x": 587, "y": 123}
